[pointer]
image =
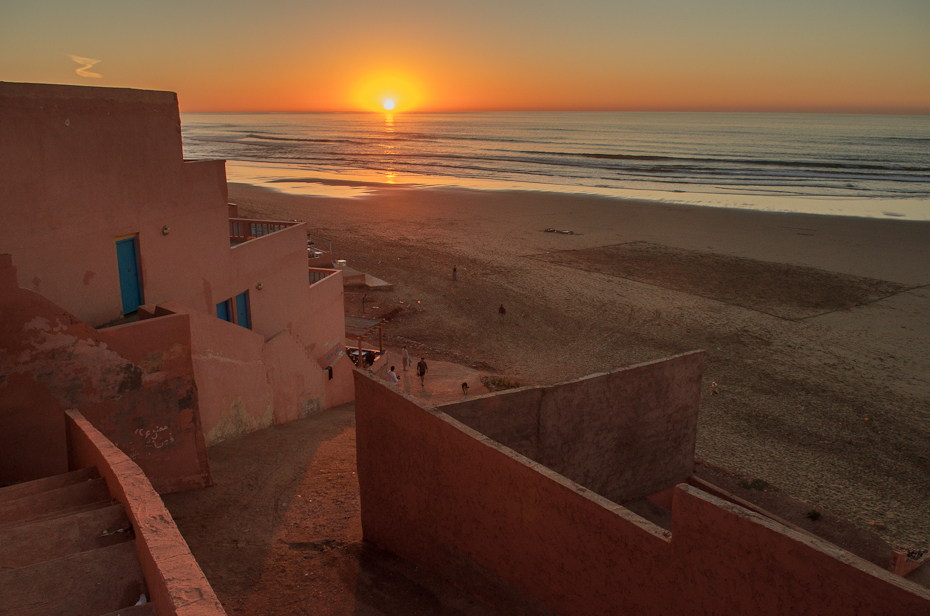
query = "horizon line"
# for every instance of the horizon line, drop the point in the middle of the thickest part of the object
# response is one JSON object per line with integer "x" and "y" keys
{"x": 772, "y": 110}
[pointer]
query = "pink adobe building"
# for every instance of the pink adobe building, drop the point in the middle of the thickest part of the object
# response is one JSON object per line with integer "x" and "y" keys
{"x": 104, "y": 218}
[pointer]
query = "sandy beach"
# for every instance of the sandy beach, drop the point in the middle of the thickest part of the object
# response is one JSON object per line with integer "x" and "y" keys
{"x": 816, "y": 327}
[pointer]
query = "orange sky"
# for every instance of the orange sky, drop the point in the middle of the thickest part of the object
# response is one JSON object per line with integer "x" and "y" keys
{"x": 285, "y": 55}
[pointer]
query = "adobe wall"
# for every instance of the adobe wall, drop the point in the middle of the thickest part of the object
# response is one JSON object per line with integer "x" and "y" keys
{"x": 134, "y": 382}
{"x": 81, "y": 166}
{"x": 175, "y": 582}
{"x": 436, "y": 492}
{"x": 247, "y": 383}
{"x": 624, "y": 434}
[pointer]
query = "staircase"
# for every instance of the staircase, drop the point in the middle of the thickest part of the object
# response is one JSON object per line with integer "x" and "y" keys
{"x": 67, "y": 547}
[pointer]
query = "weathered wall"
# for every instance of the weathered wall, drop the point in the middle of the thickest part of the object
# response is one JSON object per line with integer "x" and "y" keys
{"x": 247, "y": 383}
{"x": 624, "y": 434}
{"x": 435, "y": 492}
{"x": 135, "y": 382}
{"x": 81, "y": 166}
{"x": 175, "y": 582}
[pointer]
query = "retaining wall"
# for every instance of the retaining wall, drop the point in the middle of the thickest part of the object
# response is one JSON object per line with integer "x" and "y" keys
{"x": 623, "y": 434}
{"x": 436, "y": 492}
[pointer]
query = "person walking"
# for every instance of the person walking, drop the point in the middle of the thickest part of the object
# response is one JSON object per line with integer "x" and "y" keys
{"x": 405, "y": 358}
{"x": 421, "y": 371}
{"x": 502, "y": 312}
{"x": 392, "y": 376}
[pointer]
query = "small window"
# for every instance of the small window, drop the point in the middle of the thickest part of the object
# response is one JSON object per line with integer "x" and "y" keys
{"x": 224, "y": 310}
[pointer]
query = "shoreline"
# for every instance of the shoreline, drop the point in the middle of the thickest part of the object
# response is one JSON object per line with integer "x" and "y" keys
{"x": 291, "y": 179}
{"x": 795, "y": 385}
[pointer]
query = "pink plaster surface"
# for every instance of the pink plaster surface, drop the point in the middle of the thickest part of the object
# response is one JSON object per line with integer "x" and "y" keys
{"x": 436, "y": 492}
{"x": 135, "y": 382}
{"x": 247, "y": 383}
{"x": 81, "y": 167}
{"x": 623, "y": 434}
{"x": 174, "y": 579}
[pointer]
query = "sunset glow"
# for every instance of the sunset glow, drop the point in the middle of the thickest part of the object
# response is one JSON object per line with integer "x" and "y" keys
{"x": 387, "y": 91}
{"x": 820, "y": 55}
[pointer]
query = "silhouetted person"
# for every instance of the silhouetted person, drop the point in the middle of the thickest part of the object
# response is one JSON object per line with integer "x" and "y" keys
{"x": 502, "y": 312}
{"x": 421, "y": 371}
{"x": 455, "y": 272}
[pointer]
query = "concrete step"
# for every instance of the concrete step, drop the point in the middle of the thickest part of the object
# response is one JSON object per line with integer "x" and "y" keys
{"x": 28, "y": 488}
{"x": 86, "y": 584}
{"x": 54, "y": 502}
{"x": 32, "y": 542}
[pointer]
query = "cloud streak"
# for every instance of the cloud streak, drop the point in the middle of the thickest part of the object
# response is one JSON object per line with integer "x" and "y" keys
{"x": 87, "y": 62}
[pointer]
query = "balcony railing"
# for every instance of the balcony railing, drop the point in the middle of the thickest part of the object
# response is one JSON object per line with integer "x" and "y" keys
{"x": 244, "y": 229}
{"x": 317, "y": 274}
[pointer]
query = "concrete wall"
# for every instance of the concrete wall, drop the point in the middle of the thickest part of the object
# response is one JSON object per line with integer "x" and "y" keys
{"x": 175, "y": 582}
{"x": 438, "y": 493}
{"x": 624, "y": 434}
{"x": 134, "y": 382}
{"x": 81, "y": 167}
{"x": 247, "y": 383}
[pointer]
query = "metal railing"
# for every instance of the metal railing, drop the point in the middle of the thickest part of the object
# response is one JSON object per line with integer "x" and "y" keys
{"x": 244, "y": 229}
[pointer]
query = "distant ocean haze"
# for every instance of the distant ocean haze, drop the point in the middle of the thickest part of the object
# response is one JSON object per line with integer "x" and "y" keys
{"x": 860, "y": 165}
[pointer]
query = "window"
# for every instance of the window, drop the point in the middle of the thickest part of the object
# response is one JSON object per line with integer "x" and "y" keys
{"x": 224, "y": 310}
{"x": 236, "y": 311}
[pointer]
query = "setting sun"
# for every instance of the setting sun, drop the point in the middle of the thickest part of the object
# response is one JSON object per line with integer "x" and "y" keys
{"x": 388, "y": 91}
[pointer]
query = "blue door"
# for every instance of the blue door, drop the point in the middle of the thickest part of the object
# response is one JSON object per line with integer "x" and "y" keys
{"x": 224, "y": 311}
{"x": 242, "y": 310}
{"x": 130, "y": 282}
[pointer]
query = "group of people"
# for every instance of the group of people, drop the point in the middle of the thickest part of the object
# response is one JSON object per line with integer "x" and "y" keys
{"x": 407, "y": 362}
{"x": 393, "y": 379}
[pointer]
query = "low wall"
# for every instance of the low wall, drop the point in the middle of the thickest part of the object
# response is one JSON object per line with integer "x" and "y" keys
{"x": 247, "y": 383}
{"x": 134, "y": 382}
{"x": 175, "y": 581}
{"x": 438, "y": 493}
{"x": 624, "y": 434}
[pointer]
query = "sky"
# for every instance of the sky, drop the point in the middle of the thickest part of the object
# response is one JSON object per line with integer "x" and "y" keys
{"x": 464, "y": 55}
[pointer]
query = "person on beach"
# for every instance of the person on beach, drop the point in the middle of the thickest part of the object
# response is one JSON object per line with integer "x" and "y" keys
{"x": 455, "y": 272}
{"x": 421, "y": 371}
{"x": 392, "y": 376}
{"x": 502, "y": 312}
{"x": 405, "y": 358}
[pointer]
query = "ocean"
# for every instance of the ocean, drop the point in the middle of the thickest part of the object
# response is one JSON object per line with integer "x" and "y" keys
{"x": 838, "y": 164}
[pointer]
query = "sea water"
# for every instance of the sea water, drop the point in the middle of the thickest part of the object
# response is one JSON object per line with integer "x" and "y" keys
{"x": 857, "y": 165}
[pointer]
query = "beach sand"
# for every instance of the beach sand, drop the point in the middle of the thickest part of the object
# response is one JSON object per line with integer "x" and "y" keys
{"x": 816, "y": 328}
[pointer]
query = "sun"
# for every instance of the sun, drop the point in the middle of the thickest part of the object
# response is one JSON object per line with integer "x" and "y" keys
{"x": 387, "y": 90}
